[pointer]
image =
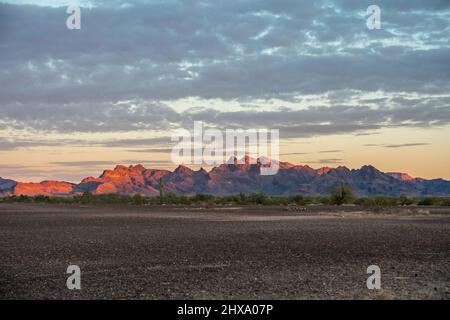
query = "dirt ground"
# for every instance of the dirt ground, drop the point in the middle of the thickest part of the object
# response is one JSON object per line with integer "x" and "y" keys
{"x": 163, "y": 252}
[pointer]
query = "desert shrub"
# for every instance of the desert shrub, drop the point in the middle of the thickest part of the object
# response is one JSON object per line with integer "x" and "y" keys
{"x": 7, "y": 199}
{"x": 403, "y": 200}
{"x": 85, "y": 198}
{"x": 169, "y": 198}
{"x": 361, "y": 201}
{"x": 242, "y": 197}
{"x": 257, "y": 198}
{"x": 268, "y": 201}
{"x": 59, "y": 200}
{"x": 202, "y": 198}
{"x": 322, "y": 200}
{"x": 428, "y": 201}
{"x": 88, "y": 198}
{"x": 23, "y": 198}
{"x": 385, "y": 201}
{"x": 300, "y": 200}
{"x": 377, "y": 203}
{"x": 41, "y": 198}
{"x": 15, "y": 199}
{"x": 138, "y": 200}
{"x": 281, "y": 201}
{"x": 341, "y": 195}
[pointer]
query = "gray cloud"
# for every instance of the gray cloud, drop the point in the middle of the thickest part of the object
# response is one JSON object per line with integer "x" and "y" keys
{"x": 112, "y": 74}
{"x": 149, "y": 116}
{"x": 88, "y": 117}
{"x": 83, "y": 163}
{"x": 366, "y": 133}
{"x": 14, "y": 143}
{"x": 406, "y": 145}
{"x": 169, "y": 50}
{"x": 328, "y": 120}
{"x": 313, "y": 121}
{"x": 402, "y": 145}
{"x": 138, "y": 142}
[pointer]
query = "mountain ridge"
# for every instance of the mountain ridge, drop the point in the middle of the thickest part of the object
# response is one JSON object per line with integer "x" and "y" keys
{"x": 233, "y": 178}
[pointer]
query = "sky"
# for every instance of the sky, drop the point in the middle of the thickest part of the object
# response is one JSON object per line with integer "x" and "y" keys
{"x": 75, "y": 102}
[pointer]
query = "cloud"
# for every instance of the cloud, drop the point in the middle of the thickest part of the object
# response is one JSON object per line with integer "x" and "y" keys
{"x": 83, "y": 163}
{"x": 336, "y": 119}
{"x": 129, "y": 64}
{"x": 15, "y": 143}
{"x": 402, "y": 145}
{"x": 406, "y": 145}
{"x": 138, "y": 115}
{"x": 293, "y": 153}
{"x": 153, "y": 150}
{"x": 89, "y": 117}
{"x": 329, "y": 151}
{"x": 330, "y": 160}
{"x": 136, "y": 142}
{"x": 87, "y": 163}
{"x": 152, "y": 119}
{"x": 169, "y": 50}
{"x": 366, "y": 133}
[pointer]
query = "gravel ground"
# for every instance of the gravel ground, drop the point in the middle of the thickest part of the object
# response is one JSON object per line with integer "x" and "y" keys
{"x": 222, "y": 253}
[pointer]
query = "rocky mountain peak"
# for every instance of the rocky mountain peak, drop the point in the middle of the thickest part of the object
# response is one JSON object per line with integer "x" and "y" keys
{"x": 182, "y": 169}
{"x": 227, "y": 179}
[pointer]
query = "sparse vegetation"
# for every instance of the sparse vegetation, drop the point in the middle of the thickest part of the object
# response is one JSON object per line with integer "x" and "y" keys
{"x": 339, "y": 196}
{"x": 377, "y": 203}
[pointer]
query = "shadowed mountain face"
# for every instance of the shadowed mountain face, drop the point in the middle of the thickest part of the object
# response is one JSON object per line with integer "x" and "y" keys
{"x": 233, "y": 178}
{"x": 6, "y": 185}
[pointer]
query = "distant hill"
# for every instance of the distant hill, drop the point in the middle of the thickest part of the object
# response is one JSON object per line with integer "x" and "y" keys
{"x": 234, "y": 178}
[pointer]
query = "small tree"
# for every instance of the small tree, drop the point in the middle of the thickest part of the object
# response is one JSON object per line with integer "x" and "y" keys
{"x": 342, "y": 194}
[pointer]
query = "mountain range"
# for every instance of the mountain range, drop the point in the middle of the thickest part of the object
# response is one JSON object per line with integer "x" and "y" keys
{"x": 234, "y": 178}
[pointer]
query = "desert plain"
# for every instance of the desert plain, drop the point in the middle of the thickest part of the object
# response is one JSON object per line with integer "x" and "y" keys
{"x": 227, "y": 252}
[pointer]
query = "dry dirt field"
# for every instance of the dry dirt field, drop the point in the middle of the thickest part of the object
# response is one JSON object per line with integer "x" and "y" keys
{"x": 164, "y": 252}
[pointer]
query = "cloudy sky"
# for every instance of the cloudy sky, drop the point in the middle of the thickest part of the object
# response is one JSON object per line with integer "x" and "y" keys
{"x": 73, "y": 102}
